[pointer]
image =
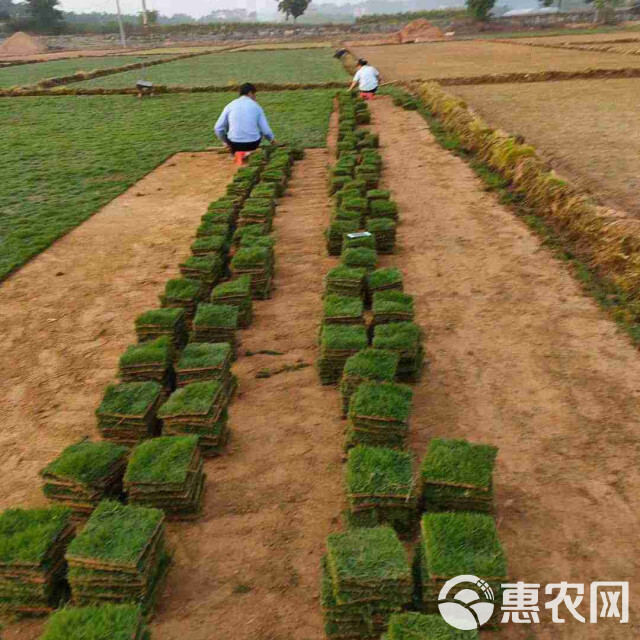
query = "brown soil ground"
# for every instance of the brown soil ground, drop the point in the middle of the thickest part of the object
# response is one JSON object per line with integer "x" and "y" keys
{"x": 521, "y": 359}
{"x": 472, "y": 58}
{"x": 89, "y": 53}
{"x": 587, "y": 129}
{"x": 594, "y": 38}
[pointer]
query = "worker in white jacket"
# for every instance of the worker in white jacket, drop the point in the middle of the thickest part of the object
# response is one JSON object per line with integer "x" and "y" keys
{"x": 367, "y": 78}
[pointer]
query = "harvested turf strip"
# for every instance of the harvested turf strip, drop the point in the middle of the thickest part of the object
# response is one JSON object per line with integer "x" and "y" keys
{"x": 383, "y": 209}
{"x": 119, "y": 556}
{"x": 166, "y": 473}
{"x": 417, "y": 626}
{"x": 32, "y": 547}
{"x": 384, "y": 232}
{"x": 379, "y": 415}
{"x": 337, "y": 344}
{"x": 385, "y": 279}
{"x": 392, "y": 306}
{"x": 202, "y": 361}
{"x": 405, "y": 338}
{"x": 344, "y": 281}
{"x": 342, "y": 310}
{"x": 236, "y": 293}
{"x": 149, "y": 360}
{"x": 257, "y": 262}
{"x": 184, "y": 293}
{"x": 85, "y": 473}
{"x": 216, "y": 245}
{"x": 380, "y": 488}
{"x": 207, "y": 269}
{"x": 361, "y": 258}
{"x": 198, "y": 408}
{"x": 334, "y": 234}
{"x": 216, "y": 323}
{"x": 102, "y": 622}
{"x": 156, "y": 323}
{"x": 127, "y": 413}
{"x": 457, "y": 476}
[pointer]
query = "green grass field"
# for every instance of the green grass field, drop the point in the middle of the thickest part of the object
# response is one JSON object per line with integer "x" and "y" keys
{"x": 27, "y": 74}
{"x": 222, "y": 69}
{"x": 72, "y": 155}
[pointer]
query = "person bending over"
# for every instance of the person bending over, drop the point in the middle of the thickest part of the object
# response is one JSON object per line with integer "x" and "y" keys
{"x": 367, "y": 78}
{"x": 242, "y": 124}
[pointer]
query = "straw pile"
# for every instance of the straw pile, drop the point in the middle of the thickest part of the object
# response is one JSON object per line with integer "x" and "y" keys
{"x": 167, "y": 473}
{"x": 344, "y": 281}
{"x": 337, "y": 344}
{"x": 379, "y": 415}
{"x": 342, "y": 310}
{"x": 236, "y": 293}
{"x": 457, "y": 476}
{"x": 257, "y": 262}
{"x": 84, "y": 474}
{"x": 203, "y": 361}
{"x": 156, "y": 323}
{"x": 149, "y": 360}
{"x": 392, "y": 306}
{"x": 32, "y": 547}
{"x": 128, "y": 412}
{"x": 199, "y": 408}
{"x": 129, "y": 569}
{"x": 405, "y": 338}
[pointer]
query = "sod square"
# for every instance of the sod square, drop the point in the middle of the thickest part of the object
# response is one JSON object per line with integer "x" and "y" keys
{"x": 208, "y": 268}
{"x": 248, "y": 230}
{"x": 85, "y": 473}
{"x": 378, "y": 194}
{"x": 157, "y": 323}
{"x": 392, "y": 306}
{"x": 150, "y": 360}
{"x": 101, "y": 622}
{"x": 342, "y": 310}
{"x": 335, "y": 232}
{"x": 383, "y": 209}
{"x": 203, "y": 361}
{"x": 336, "y": 183}
{"x": 379, "y": 482}
{"x": 337, "y": 344}
{"x": 405, "y": 338}
{"x": 218, "y": 244}
{"x": 167, "y": 473}
{"x": 32, "y": 547}
{"x": 344, "y": 281}
{"x": 236, "y": 293}
{"x": 361, "y": 258}
{"x": 385, "y": 279}
{"x": 360, "y": 239}
{"x": 128, "y": 411}
{"x": 257, "y": 262}
{"x": 417, "y": 626}
{"x": 384, "y": 232}
{"x": 221, "y": 217}
{"x": 457, "y": 475}
{"x": 184, "y": 293}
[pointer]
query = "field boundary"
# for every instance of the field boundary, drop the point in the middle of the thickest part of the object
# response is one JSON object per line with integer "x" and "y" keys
{"x": 607, "y": 241}
{"x": 570, "y": 46}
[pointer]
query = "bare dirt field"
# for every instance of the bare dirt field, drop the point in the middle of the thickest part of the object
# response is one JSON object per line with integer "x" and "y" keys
{"x": 473, "y": 58}
{"x": 520, "y": 359}
{"x": 588, "y": 129}
{"x": 593, "y": 38}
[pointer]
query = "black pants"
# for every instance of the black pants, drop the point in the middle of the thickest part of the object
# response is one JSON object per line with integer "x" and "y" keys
{"x": 371, "y": 91}
{"x": 244, "y": 146}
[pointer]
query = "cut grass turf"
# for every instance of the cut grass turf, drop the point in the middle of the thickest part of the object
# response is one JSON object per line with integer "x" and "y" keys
{"x": 342, "y": 307}
{"x": 166, "y": 459}
{"x": 60, "y": 170}
{"x": 223, "y": 69}
{"x": 384, "y": 278}
{"x": 376, "y": 471}
{"x": 382, "y": 400}
{"x": 335, "y": 337}
{"x": 129, "y": 399}
{"x": 195, "y": 399}
{"x": 216, "y": 315}
{"x": 156, "y": 351}
{"x": 165, "y": 318}
{"x": 105, "y": 622}
{"x": 372, "y": 364}
{"x": 417, "y": 626}
{"x": 392, "y": 302}
{"x": 200, "y": 355}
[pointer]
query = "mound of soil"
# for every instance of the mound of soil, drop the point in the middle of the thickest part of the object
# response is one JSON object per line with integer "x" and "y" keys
{"x": 419, "y": 31}
{"x": 21, "y": 43}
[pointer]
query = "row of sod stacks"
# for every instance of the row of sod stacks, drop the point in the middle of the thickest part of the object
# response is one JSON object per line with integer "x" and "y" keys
{"x": 167, "y": 473}
{"x": 33, "y": 543}
{"x": 417, "y": 626}
{"x": 455, "y": 544}
{"x": 119, "y": 556}
{"x": 380, "y": 489}
{"x": 366, "y": 578}
{"x": 379, "y": 415}
{"x": 199, "y": 408}
{"x": 84, "y": 474}
{"x": 457, "y": 475}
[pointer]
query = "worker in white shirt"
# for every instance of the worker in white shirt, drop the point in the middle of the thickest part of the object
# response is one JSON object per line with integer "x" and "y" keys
{"x": 243, "y": 124}
{"x": 367, "y": 78}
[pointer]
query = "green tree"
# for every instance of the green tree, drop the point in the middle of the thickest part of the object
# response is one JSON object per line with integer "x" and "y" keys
{"x": 293, "y": 8}
{"x": 44, "y": 14}
{"x": 550, "y": 3}
{"x": 480, "y": 9}
{"x": 5, "y": 9}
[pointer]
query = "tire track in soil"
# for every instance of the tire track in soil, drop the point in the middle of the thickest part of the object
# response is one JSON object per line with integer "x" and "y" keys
{"x": 522, "y": 359}
{"x": 67, "y": 316}
{"x": 249, "y": 568}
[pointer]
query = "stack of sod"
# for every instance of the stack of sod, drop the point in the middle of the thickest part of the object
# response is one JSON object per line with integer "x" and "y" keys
{"x": 416, "y": 626}
{"x": 336, "y": 183}
{"x": 354, "y": 204}
{"x": 149, "y": 360}
{"x": 369, "y": 141}
{"x": 359, "y": 239}
{"x": 210, "y": 228}
{"x": 184, "y": 293}
{"x": 199, "y": 408}
{"x": 363, "y": 115}
{"x": 128, "y": 411}
{"x": 375, "y": 365}
{"x": 216, "y": 323}
{"x": 157, "y": 323}
{"x": 370, "y": 174}
{"x": 256, "y": 262}
{"x": 389, "y": 278}
{"x": 380, "y": 488}
{"x": 236, "y": 293}
{"x": 335, "y": 232}
{"x": 208, "y": 269}
{"x": 405, "y": 338}
{"x": 383, "y": 209}
{"x": 257, "y": 211}
{"x": 166, "y": 473}
{"x": 202, "y": 361}
{"x": 379, "y": 415}
{"x": 457, "y": 476}
{"x": 276, "y": 176}
{"x": 392, "y": 306}
{"x": 378, "y": 194}
{"x": 384, "y": 232}
{"x": 337, "y": 344}
{"x": 84, "y": 474}
{"x": 345, "y": 282}
{"x": 32, "y": 547}
{"x": 265, "y": 190}
{"x": 342, "y": 310}
{"x": 211, "y": 245}
{"x": 105, "y": 622}
{"x": 250, "y": 230}
{"x": 268, "y": 242}
{"x": 361, "y": 258}
{"x": 119, "y": 556}
{"x": 454, "y": 544}
{"x": 225, "y": 205}
{"x": 366, "y": 578}
{"x": 353, "y": 188}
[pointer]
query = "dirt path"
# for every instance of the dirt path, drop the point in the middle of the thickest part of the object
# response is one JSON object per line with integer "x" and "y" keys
{"x": 249, "y": 569}
{"x": 520, "y": 359}
{"x": 67, "y": 316}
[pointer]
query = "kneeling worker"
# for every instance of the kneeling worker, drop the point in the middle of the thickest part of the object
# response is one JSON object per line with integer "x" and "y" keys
{"x": 242, "y": 124}
{"x": 367, "y": 78}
